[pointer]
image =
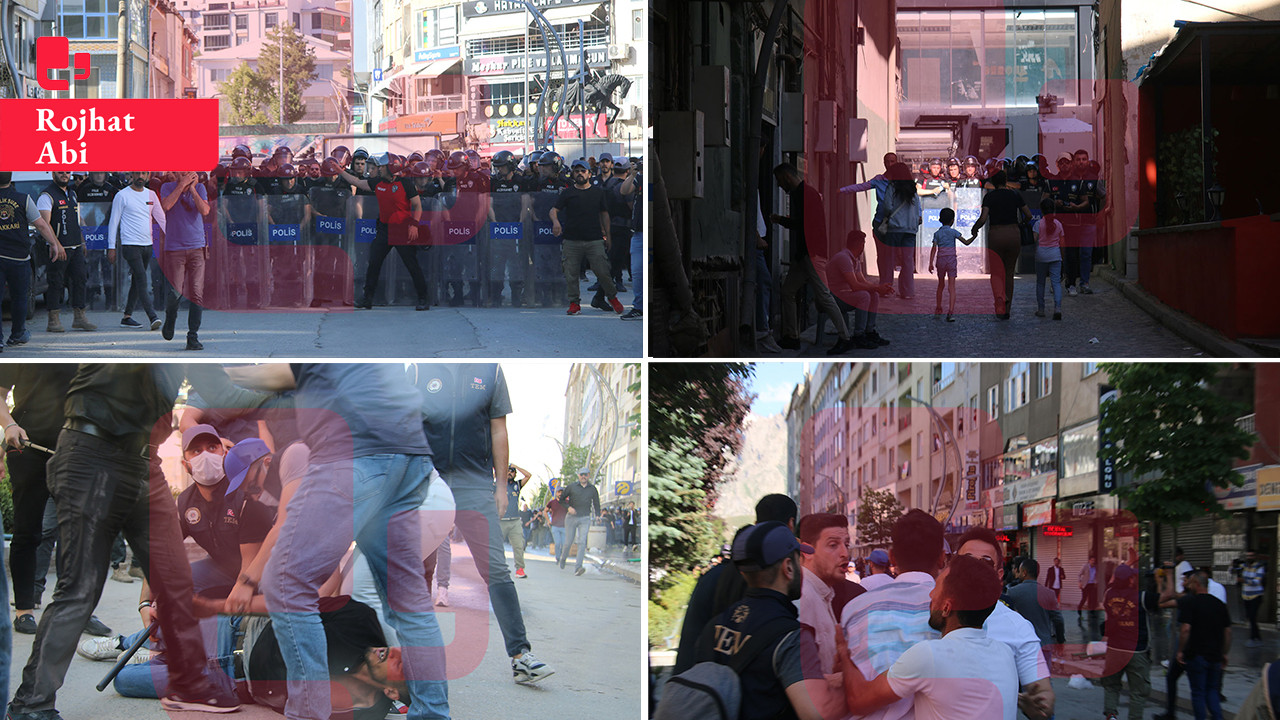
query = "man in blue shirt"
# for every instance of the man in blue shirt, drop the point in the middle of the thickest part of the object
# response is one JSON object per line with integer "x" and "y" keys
{"x": 185, "y": 203}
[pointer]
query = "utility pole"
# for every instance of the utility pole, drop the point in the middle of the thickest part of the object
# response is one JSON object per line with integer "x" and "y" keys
{"x": 122, "y": 50}
{"x": 280, "y": 38}
{"x": 6, "y": 43}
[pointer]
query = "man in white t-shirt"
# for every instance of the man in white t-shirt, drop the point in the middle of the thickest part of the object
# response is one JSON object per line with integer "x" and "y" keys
{"x": 941, "y": 678}
{"x": 129, "y": 229}
{"x": 1184, "y": 567}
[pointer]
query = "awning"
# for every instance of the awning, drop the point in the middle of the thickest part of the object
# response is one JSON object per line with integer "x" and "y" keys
{"x": 436, "y": 68}
{"x": 493, "y": 26}
{"x": 1059, "y": 126}
{"x": 566, "y": 15}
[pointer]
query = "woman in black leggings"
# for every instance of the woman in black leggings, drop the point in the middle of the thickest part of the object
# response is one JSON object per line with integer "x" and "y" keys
{"x": 1001, "y": 207}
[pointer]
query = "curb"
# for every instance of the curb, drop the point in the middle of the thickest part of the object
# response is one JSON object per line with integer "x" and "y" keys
{"x": 1189, "y": 329}
{"x": 623, "y": 570}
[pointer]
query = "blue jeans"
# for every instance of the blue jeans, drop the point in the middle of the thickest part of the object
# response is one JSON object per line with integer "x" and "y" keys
{"x": 1052, "y": 271}
{"x": 576, "y": 528}
{"x": 477, "y": 520}
{"x": 637, "y": 270}
{"x": 1205, "y": 678}
{"x": 151, "y": 680}
{"x": 16, "y": 274}
{"x": 206, "y": 575}
{"x": 6, "y": 632}
{"x": 383, "y": 493}
{"x": 557, "y": 537}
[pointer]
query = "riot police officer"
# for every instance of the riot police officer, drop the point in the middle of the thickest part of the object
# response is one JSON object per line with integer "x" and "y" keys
{"x": 330, "y": 196}
{"x": 509, "y": 205}
{"x": 545, "y": 190}
{"x": 399, "y": 215}
{"x": 99, "y": 191}
{"x": 60, "y": 207}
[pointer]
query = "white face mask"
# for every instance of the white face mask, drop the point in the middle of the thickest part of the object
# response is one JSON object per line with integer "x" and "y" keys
{"x": 206, "y": 468}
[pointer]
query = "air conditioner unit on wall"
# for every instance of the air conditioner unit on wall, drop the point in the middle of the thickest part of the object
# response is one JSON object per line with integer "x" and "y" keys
{"x": 620, "y": 51}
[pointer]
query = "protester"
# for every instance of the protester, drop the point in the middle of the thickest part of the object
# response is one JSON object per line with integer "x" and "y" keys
{"x": 877, "y": 570}
{"x": 1127, "y": 642}
{"x": 1002, "y": 207}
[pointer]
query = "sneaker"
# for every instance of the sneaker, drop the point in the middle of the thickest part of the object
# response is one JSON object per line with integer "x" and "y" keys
{"x": 37, "y": 715}
{"x": 862, "y": 342}
{"x": 155, "y": 324}
{"x": 789, "y": 343}
{"x": 579, "y": 571}
{"x": 423, "y": 304}
{"x": 170, "y": 320}
{"x": 598, "y": 302}
{"x": 194, "y": 343}
{"x": 1085, "y": 289}
{"x": 874, "y": 337}
{"x": 574, "y": 309}
{"x": 635, "y": 314}
{"x": 121, "y": 575}
{"x": 1040, "y": 312}
{"x": 25, "y": 624}
{"x": 127, "y": 321}
{"x": 96, "y": 627}
{"x": 99, "y": 648}
{"x": 520, "y": 573}
{"x": 527, "y": 669}
{"x": 842, "y": 346}
{"x": 937, "y": 310}
{"x": 135, "y": 571}
{"x": 142, "y": 657}
{"x": 442, "y": 597}
{"x": 617, "y": 306}
{"x": 1111, "y": 716}
{"x": 212, "y": 700}
{"x": 1057, "y": 314}
{"x": 364, "y": 303}
{"x": 768, "y": 344}
{"x": 22, "y": 339}
{"x": 1072, "y": 292}
{"x": 593, "y": 287}
{"x": 951, "y": 318}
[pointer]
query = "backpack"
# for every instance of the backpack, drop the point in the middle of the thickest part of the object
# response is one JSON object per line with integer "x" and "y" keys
{"x": 713, "y": 691}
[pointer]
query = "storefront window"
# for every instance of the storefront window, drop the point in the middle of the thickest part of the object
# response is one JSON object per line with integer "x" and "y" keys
{"x": 988, "y": 58}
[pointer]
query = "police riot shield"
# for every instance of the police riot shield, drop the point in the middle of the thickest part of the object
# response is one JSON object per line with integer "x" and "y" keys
{"x": 507, "y": 256}
{"x": 456, "y": 241}
{"x": 548, "y": 270}
{"x": 968, "y": 207}
{"x": 103, "y": 276}
{"x": 242, "y": 261}
{"x": 288, "y": 248}
{"x": 332, "y": 249}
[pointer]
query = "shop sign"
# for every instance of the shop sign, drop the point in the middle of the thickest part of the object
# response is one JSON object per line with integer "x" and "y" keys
{"x": 1245, "y": 496}
{"x": 1079, "y": 458}
{"x": 1008, "y": 519}
{"x": 1035, "y": 487}
{"x": 1037, "y": 513}
{"x": 483, "y": 8}
{"x": 1269, "y": 487}
{"x": 597, "y": 57}
{"x": 1059, "y": 531}
{"x": 440, "y": 53}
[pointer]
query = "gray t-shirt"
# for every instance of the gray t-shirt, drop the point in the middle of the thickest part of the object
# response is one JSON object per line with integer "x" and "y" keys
{"x": 348, "y": 411}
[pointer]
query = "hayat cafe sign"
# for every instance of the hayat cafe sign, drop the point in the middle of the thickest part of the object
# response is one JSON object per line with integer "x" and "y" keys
{"x": 508, "y": 64}
{"x": 481, "y": 8}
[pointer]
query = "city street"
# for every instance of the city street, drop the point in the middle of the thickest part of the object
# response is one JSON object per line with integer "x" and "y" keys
{"x": 382, "y": 332}
{"x": 587, "y": 628}
{"x": 1104, "y": 324}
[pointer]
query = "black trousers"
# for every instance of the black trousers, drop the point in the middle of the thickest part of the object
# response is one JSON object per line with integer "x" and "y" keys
{"x": 30, "y": 493}
{"x": 138, "y": 258}
{"x": 378, "y": 251}
{"x": 101, "y": 489}
{"x": 72, "y": 272}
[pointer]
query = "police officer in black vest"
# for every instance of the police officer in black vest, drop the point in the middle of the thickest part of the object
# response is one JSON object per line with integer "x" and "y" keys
{"x": 60, "y": 207}
{"x": 17, "y": 211}
{"x": 509, "y": 202}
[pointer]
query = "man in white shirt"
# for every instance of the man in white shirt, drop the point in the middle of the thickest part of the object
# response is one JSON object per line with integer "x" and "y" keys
{"x": 132, "y": 211}
{"x": 1007, "y": 626}
{"x": 1184, "y": 567}
{"x": 882, "y": 624}
{"x": 963, "y": 674}
{"x": 828, "y": 533}
{"x": 877, "y": 570}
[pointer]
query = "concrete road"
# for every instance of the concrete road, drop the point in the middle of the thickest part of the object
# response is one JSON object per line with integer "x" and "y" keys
{"x": 399, "y": 331}
{"x": 587, "y": 628}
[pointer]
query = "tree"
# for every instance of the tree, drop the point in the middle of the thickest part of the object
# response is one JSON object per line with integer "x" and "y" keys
{"x": 696, "y": 412}
{"x": 573, "y": 459}
{"x": 1171, "y": 427}
{"x": 298, "y": 71}
{"x": 878, "y": 510}
{"x": 244, "y": 93}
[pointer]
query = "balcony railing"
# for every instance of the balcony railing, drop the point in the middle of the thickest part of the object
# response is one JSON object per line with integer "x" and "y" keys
{"x": 438, "y": 103}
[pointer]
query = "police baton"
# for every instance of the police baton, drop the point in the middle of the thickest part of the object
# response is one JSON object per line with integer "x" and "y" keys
{"x": 28, "y": 444}
{"x": 127, "y": 655}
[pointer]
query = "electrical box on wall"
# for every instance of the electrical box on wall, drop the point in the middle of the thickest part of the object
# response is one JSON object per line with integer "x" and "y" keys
{"x": 680, "y": 149}
{"x": 791, "y": 123}
{"x": 711, "y": 96}
{"x": 824, "y": 131}
{"x": 858, "y": 128}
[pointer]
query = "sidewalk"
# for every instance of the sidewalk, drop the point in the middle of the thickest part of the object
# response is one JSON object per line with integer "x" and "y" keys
{"x": 625, "y": 564}
{"x": 1244, "y": 668}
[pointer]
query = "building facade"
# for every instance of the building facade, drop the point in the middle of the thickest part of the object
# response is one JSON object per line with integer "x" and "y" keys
{"x": 173, "y": 46}
{"x": 599, "y": 407}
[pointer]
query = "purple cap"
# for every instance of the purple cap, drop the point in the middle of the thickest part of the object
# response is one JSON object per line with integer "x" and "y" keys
{"x": 764, "y": 544}
{"x": 196, "y": 431}
{"x": 880, "y": 557}
{"x": 239, "y": 459}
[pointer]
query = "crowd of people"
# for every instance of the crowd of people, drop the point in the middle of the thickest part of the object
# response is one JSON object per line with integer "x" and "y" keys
{"x": 292, "y": 232}
{"x": 1061, "y": 222}
{"x": 786, "y": 625}
{"x": 297, "y": 584}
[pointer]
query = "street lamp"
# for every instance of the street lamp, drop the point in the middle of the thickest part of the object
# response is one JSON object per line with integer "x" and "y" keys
{"x": 1217, "y": 196}
{"x": 1181, "y": 198}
